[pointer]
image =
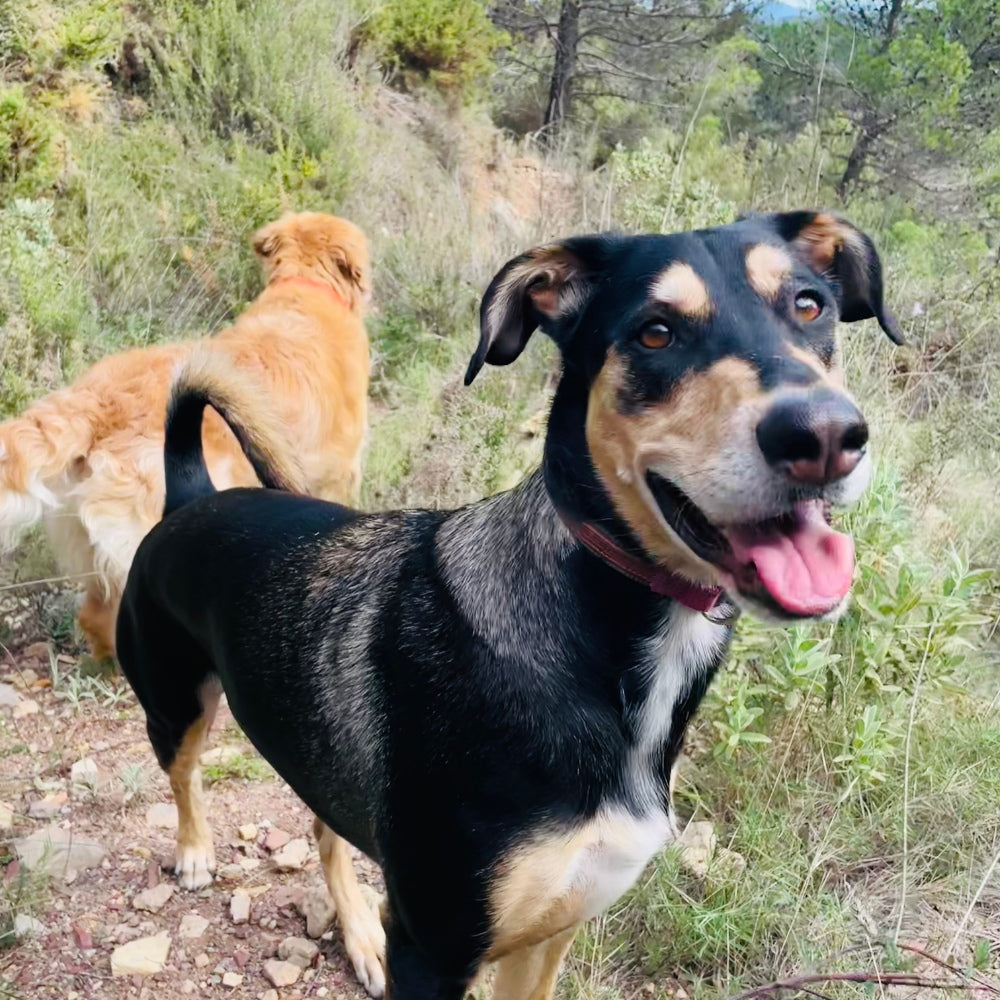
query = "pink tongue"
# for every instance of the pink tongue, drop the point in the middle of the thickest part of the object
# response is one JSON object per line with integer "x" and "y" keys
{"x": 807, "y": 569}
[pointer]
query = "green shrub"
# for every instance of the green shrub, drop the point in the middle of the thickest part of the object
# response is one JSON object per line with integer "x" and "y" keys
{"x": 447, "y": 42}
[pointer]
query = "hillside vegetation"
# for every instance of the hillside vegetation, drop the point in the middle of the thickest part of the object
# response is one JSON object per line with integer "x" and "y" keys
{"x": 854, "y": 769}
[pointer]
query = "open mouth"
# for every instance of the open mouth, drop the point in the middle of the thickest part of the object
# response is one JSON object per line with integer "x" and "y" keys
{"x": 794, "y": 562}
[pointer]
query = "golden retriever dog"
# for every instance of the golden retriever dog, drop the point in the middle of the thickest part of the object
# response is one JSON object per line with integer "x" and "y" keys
{"x": 88, "y": 460}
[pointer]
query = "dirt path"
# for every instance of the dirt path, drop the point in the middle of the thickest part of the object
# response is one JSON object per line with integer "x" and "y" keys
{"x": 56, "y": 719}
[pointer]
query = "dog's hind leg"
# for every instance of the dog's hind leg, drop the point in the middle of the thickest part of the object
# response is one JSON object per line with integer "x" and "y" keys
{"x": 364, "y": 938}
{"x": 530, "y": 973}
{"x": 195, "y": 858}
{"x": 97, "y": 620}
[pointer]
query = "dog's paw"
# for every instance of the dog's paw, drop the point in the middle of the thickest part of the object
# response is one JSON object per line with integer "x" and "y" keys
{"x": 364, "y": 943}
{"x": 194, "y": 865}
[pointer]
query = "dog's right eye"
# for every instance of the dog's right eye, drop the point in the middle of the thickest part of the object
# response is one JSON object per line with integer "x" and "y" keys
{"x": 655, "y": 336}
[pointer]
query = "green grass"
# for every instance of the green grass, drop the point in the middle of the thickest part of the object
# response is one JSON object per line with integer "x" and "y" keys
{"x": 854, "y": 767}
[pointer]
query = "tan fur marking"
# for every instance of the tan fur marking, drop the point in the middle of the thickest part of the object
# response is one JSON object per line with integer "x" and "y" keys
{"x": 364, "y": 938}
{"x": 768, "y": 268}
{"x": 683, "y": 289}
{"x": 824, "y": 236}
{"x": 530, "y": 974}
{"x": 684, "y": 432}
{"x": 195, "y": 858}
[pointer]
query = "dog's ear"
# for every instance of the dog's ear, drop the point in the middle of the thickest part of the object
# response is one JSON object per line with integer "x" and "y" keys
{"x": 266, "y": 239}
{"x": 537, "y": 288}
{"x": 846, "y": 256}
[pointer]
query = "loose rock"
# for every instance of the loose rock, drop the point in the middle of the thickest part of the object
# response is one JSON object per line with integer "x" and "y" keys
{"x": 232, "y": 980}
{"x": 48, "y": 807}
{"x": 153, "y": 900}
{"x": 6, "y": 816}
{"x": 298, "y": 951}
{"x": 280, "y": 973}
{"x": 276, "y": 839}
{"x": 292, "y": 856}
{"x": 239, "y": 906}
{"x": 25, "y": 926}
{"x": 143, "y": 957}
{"x": 57, "y": 850}
{"x": 193, "y": 925}
{"x": 318, "y": 909}
{"x": 27, "y": 707}
{"x": 200, "y": 961}
{"x": 84, "y": 778}
{"x": 9, "y": 698}
{"x": 248, "y": 831}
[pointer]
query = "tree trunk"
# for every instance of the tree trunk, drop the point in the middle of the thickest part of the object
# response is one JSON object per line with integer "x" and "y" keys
{"x": 858, "y": 160}
{"x": 561, "y": 87}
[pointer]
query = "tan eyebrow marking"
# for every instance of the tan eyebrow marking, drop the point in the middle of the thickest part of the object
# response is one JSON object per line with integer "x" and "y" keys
{"x": 767, "y": 269}
{"x": 681, "y": 288}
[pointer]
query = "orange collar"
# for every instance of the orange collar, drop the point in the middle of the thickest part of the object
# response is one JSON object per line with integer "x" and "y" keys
{"x": 320, "y": 286}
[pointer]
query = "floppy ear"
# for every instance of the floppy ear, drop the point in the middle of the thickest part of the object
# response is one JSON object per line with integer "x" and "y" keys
{"x": 540, "y": 286}
{"x": 841, "y": 252}
{"x": 266, "y": 239}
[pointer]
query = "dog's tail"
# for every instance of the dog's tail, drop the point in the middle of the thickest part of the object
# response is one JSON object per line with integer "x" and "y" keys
{"x": 211, "y": 379}
{"x": 37, "y": 454}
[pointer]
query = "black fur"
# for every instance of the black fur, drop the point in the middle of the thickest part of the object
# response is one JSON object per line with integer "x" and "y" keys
{"x": 437, "y": 686}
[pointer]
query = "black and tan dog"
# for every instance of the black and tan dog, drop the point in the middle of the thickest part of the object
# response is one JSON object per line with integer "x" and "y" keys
{"x": 489, "y": 701}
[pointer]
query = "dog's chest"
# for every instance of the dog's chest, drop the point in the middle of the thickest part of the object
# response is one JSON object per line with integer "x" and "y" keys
{"x": 559, "y": 879}
{"x": 677, "y": 659}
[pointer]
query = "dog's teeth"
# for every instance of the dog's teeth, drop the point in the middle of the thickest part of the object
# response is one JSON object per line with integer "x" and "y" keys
{"x": 624, "y": 474}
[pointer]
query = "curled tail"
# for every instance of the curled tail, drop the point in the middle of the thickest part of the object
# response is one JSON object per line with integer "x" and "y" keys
{"x": 211, "y": 379}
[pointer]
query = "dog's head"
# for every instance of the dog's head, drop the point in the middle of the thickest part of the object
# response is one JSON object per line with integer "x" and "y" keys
{"x": 317, "y": 246}
{"x": 701, "y": 383}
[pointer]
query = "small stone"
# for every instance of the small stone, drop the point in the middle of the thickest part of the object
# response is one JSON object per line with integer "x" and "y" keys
{"x": 9, "y": 698}
{"x": 218, "y": 755}
{"x": 193, "y": 925}
{"x": 57, "y": 850}
{"x": 162, "y": 814}
{"x": 276, "y": 839}
{"x": 232, "y": 980}
{"x": 229, "y": 873}
{"x": 84, "y": 778}
{"x": 268, "y": 995}
{"x": 697, "y": 845}
{"x": 48, "y": 807}
{"x": 25, "y": 926}
{"x": 83, "y": 936}
{"x": 153, "y": 900}
{"x": 292, "y": 856}
{"x": 241, "y": 956}
{"x": 322, "y": 992}
{"x": 280, "y": 973}
{"x": 27, "y": 707}
{"x": 24, "y": 679}
{"x": 249, "y": 864}
{"x": 189, "y": 987}
{"x": 248, "y": 831}
{"x": 142, "y": 957}
{"x": 318, "y": 909}
{"x": 6, "y": 816}
{"x": 239, "y": 906}
{"x": 200, "y": 961}
{"x": 299, "y": 951}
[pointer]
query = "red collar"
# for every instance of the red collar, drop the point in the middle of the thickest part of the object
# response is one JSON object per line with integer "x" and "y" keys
{"x": 319, "y": 286}
{"x": 660, "y": 581}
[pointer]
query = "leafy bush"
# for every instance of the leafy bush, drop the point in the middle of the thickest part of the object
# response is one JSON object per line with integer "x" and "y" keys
{"x": 447, "y": 42}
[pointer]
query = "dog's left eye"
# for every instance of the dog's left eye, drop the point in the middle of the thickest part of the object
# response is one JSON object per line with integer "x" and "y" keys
{"x": 655, "y": 336}
{"x": 808, "y": 307}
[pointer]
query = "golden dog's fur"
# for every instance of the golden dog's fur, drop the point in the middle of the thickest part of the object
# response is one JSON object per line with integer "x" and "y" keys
{"x": 88, "y": 460}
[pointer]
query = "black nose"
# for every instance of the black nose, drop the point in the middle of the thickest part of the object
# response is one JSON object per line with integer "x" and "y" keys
{"x": 814, "y": 438}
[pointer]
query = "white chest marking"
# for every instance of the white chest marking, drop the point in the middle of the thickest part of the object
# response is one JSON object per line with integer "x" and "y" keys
{"x": 559, "y": 879}
{"x": 686, "y": 645}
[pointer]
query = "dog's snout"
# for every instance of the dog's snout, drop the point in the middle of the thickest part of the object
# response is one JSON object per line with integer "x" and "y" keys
{"x": 814, "y": 438}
